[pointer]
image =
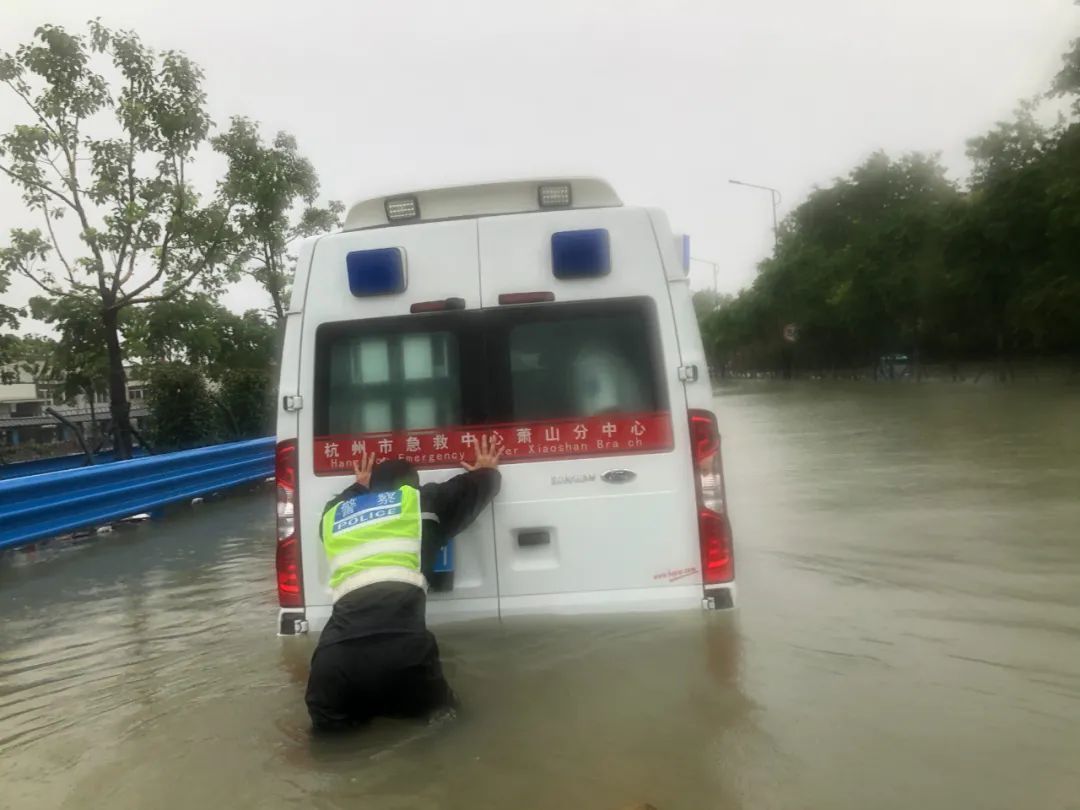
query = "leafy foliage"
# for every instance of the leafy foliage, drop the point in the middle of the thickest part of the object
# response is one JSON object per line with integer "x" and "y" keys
{"x": 1067, "y": 81}
{"x": 196, "y": 330}
{"x": 267, "y": 183}
{"x": 246, "y": 398}
{"x": 232, "y": 354}
{"x": 128, "y": 258}
{"x": 182, "y": 412}
{"x": 144, "y": 234}
{"x": 22, "y": 358}
{"x": 77, "y": 360}
{"x": 896, "y": 258}
{"x": 705, "y": 301}
{"x": 9, "y": 315}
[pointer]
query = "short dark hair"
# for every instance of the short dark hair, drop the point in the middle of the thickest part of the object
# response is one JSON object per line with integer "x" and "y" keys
{"x": 394, "y": 474}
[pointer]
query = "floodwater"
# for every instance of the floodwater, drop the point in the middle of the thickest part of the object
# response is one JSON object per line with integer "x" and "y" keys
{"x": 908, "y": 636}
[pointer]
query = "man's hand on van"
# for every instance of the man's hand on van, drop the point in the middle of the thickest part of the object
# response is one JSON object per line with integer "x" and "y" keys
{"x": 363, "y": 468}
{"x": 487, "y": 456}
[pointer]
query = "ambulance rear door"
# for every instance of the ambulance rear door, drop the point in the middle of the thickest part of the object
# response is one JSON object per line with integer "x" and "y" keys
{"x": 392, "y": 372}
{"x": 597, "y": 509}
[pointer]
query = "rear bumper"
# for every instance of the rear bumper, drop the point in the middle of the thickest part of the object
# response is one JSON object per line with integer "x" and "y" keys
{"x": 636, "y": 600}
{"x": 445, "y": 611}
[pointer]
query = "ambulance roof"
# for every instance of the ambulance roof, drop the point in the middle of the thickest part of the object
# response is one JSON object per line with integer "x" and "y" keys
{"x": 457, "y": 202}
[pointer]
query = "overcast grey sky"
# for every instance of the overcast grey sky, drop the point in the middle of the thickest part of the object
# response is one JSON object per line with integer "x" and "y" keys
{"x": 666, "y": 100}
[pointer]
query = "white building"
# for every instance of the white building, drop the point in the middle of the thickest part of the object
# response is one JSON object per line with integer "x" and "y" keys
{"x": 24, "y": 420}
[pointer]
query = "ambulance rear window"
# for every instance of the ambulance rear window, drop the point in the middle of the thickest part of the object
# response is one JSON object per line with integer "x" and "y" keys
{"x": 577, "y": 360}
{"x": 391, "y": 375}
{"x": 497, "y": 366}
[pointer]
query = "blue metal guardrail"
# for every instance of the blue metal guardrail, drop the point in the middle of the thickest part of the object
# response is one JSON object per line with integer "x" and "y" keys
{"x": 40, "y": 506}
{"x": 37, "y": 466}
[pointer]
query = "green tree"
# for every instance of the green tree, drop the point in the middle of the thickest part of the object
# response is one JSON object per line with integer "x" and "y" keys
{"x": 249, "y": 342}
{"x": 232, "y": 354}
{"x": 144, "y": 235}
{"x": 196, "y": 330}
{"x": 1009, "y": 246}
{"x": 857, "y": 267}
{"x": 246, "y": 399}
{"x": 9, "y": 315}
{"x": 1055, "y": 304}
{"x": 182, "y": 329}
{"x": 1067, "y": 81}
{"x": 24, "y": 358}
{"x": 182, "y": 411}
{"x": 9, "y": 347}
{"x": 274, "y": 189}
{"x": 77, "y": 362}
{"x": 705, "y": 301}
{"x": 895, "y": 257}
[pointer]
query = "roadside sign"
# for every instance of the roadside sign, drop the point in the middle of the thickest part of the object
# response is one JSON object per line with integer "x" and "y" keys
{"x": 791, "y": 333}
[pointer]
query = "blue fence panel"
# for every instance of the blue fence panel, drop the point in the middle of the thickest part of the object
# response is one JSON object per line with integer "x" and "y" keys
{"x": 45, "y": 465}
{"x": 46, "y": 505}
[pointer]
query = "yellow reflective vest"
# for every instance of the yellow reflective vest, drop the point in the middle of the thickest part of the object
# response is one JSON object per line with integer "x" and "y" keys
{"x": 374, "y": 537}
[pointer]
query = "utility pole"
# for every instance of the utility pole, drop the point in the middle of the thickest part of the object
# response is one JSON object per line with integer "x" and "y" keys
{"x": 775, "y": 195}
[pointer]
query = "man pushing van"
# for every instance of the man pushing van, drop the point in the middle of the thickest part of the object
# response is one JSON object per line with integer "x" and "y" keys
{"x": 376, "y": 656}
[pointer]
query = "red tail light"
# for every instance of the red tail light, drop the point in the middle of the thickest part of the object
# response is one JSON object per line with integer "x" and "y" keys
{"x": 714, "y": 529}
{"x": 526, "y": 298}
{"x": 717, "y": 563}
{"x": 438, "y": 306}
{"x": 290, "y": 580}
{"x": 705, "y": 435}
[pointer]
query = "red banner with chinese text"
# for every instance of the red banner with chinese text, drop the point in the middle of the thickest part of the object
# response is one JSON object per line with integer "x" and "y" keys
{"x": 521, "y": 441}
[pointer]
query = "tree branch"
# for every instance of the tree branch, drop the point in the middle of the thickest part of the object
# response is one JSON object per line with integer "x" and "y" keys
{"x": 44, "y": 121}
{"x": 38, "y": 184}
{"x": 293, "y": 234}
{"x": 56, "y": 170}
{"x": 170, "y": 292}
{"x": 56, "y": 247}
{"x": 163, "y": 261}
{"x": 72, "y": 156}
{"x": 163, "y": 258}
{"x": 131, "y": 269}
{"x": 128, "y": 229}
{"x": 273, "y": 282}
{"x": 25, "y": 271}
{"x": 119, "y": 277}
{"x": 268, "y": 260}
{"x": 132, "y": 297}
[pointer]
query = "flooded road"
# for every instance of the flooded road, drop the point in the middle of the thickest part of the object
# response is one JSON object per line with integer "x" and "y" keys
{"x": 908, "y": 636}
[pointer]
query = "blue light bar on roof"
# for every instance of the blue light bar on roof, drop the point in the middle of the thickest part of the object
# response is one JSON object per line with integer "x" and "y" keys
{"x": 581, "y": 254}
{"x": 376, "y": 272}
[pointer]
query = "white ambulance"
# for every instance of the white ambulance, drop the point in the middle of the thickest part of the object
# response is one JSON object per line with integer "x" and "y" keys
{"x": 550, "y": 317}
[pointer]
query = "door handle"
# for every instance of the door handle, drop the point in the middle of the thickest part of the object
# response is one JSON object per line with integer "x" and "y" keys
{"x": 529, "y": 538}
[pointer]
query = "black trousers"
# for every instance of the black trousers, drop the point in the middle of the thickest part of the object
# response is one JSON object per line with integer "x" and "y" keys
{"x": 387, "y": 675}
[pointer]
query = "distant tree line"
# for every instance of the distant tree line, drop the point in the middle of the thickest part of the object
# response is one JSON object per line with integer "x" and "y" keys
{"x": 896, "y": 258}
{"x": 129, "y": 255}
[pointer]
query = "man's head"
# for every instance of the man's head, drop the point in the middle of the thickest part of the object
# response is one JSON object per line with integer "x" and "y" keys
{"x": 394, "y": 474}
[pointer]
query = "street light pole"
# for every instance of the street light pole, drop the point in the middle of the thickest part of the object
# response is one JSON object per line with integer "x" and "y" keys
{"x": 775, "y": 195}
{"x": 715, "y": 275}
